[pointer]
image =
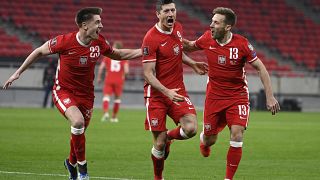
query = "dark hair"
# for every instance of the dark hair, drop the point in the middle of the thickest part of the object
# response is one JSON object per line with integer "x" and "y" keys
{"x": 160, "y": 3}
{"x": 118, "y": 44}
{"x": 86, "y": 14}
{"x": 231, "y": 17}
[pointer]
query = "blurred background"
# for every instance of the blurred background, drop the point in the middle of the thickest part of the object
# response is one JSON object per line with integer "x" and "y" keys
{"x": 285, "y": 34}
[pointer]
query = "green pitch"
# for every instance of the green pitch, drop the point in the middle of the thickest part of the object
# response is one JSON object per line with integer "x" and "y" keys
{"x": 34, "y": 143}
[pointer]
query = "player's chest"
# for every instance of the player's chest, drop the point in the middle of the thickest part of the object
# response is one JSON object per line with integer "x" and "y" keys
{"x": 228, "y": 56}
{"x": 170, "y": 46}
{"x": 82, "y": 57}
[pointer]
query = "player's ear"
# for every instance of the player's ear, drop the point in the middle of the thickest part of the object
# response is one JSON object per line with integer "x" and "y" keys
{"x": 228, "y": 27}
{"x": 157, "y": 14}
{"x": 84, "y": 26}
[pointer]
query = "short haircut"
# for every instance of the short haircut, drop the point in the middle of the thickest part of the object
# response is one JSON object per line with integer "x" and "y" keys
{"x": 231, "y": 17}
{"x": 160, "y": 3}
{"x": 86, "y": 14}
{"x": 117, "y": 44}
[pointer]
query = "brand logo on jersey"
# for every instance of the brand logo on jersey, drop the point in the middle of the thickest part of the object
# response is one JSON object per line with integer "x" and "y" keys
{"x": 154, "y": 122}
{"x": 83, "y": 60}
{"x": 222, "y": 59}
{"x": 176, "y": 49}
{"x": 179, "y": 36}
{"x": 211, "y": 47}
{"x": 207, "y": 127}
{"x": 66, "y": 101}
{"x": 53, "y": 42}
{"x": 145, "y": 51}
{"x": 163, "y": 44}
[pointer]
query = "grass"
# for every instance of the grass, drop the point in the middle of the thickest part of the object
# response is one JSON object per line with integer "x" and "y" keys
{"x": 281, "y": 147}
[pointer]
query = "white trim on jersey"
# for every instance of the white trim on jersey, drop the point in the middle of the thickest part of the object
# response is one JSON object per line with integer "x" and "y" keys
{"x": 147, "y": 106}
{"x": 59, "y": 101}
{"x": 229, "y": 40}
{"x": 251, "y": 61}
{"x": 80, "y": 42}
{"x": 149, "y": 60}
{"x": 162, "y": 31}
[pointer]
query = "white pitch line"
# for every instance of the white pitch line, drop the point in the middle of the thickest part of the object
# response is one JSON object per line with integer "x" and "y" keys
{"x": 59, "y": 175}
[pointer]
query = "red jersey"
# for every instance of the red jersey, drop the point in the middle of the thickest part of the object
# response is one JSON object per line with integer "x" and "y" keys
{"x": 227, "y": 79}
{"x": 114, "y": 70}
{"x": 164, "y": 48}
{"x": 75, "y": 71}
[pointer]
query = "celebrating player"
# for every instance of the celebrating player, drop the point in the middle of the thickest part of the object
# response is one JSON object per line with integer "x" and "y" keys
{"x": 164, "y": 90}
{"x": 113, "y": 83}
{"x": 73, "y": 91}
{"x": 227, "y": 96}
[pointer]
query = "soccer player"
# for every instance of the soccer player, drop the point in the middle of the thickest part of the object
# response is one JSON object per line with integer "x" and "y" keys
{"x": 73, "y": 91}
{"x": 113, "y": 83}
{"x": 227, "y": 96}
{"x": 164, "y": 90}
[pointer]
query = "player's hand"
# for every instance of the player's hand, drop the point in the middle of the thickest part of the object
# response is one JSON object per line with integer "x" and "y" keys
{"x": 13, "y": 77}
{"x": 273, "y": 105}
{"x": 174, "y": 96}
{"x": 200, "y": 68}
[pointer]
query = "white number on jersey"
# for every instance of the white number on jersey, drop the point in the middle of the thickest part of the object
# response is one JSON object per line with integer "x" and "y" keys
{"x": 94, "y": 51}
{"x": 115, "y": 66}
{"x": 233, "y": 53}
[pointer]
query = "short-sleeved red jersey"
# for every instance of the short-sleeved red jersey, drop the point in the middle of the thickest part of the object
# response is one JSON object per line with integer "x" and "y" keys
{"x": 75, "y": 71}
{"x": 114, "y": 70}
{"x": 227, "y": 79}
{"x": 164, "y": 48}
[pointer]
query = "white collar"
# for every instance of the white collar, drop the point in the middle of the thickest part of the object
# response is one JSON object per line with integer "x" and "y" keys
{"x": 162, "y": 31}
{"x": 80, "y": 42}
{"x": 223, "y": 44}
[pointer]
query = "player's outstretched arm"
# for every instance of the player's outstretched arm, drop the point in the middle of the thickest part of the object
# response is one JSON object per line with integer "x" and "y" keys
{"x": 148, "y": 72}
{"x": 125, "y": 54}
{"x": 35, "y": 55}
{"x": 198, "y": 67}
{"x": 189, "y": 46}
{"x": 272, "y": 103}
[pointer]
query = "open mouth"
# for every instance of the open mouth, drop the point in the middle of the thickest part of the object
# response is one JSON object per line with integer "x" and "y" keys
{"x": 170, "y": 21}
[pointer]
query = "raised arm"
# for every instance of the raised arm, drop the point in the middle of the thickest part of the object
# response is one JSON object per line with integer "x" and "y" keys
{"x": 125, "y": 54}
{"x": 149, "y": 76}
{"x": 35, "y": 55}
{"x": 272, "y": 103}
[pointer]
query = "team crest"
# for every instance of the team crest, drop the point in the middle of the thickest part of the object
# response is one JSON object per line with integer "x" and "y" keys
{"x": 207, "y": 127}
{"x": 83, "y": 60}
{"x": 222, "y": 60}
{"x": 176, "y": 50}
{"x": 145, "y": 51}
{"x": 67, "y": 101}
{"x": 154, "y": 122}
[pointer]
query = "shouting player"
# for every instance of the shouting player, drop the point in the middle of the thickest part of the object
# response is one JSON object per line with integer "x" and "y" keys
{"x": 164, "y": 90}
{"x": 227, "y": 96}
{"x": 73, "y": 90}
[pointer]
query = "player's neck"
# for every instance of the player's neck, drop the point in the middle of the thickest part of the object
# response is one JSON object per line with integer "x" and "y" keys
{"x": 83, "y": 38}
{"x": 225, "y": 38}
{"x": 164, "y": 28}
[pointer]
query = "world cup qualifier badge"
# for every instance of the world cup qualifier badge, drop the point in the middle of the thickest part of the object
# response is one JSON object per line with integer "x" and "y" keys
{"x": 146, "y": 51}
